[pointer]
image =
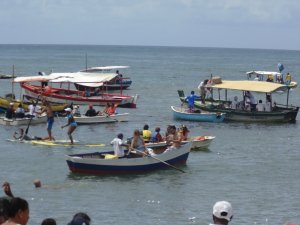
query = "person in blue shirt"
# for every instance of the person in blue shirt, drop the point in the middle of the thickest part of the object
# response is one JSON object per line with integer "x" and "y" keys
{"x": 191, "y": 101}
{"x": 71, "y": 123}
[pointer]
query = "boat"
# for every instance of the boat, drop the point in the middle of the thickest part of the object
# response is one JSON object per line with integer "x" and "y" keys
{"x": 23, "y": 121}
{"x": 277, "y": 112}
{"x": 118, "y": 82}
{"x": 104, "y": 163}
{"x": 118, "y": 117}
{"x": 68, "y": 95}
{"x": 275, "y": 77}
{"x": 5, "y": 76}
{"x": 184, "y": 114}
{"x": 4, "y": 104}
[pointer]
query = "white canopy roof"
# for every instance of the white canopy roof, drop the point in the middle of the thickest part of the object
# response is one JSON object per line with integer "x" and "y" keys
{"x": 104, "y": 68}
{"x": 266, "y": 73}
{"x": 82, "y": 78}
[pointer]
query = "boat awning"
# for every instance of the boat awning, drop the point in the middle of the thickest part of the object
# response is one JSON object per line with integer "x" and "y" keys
{"x": 245, "y": 85}
{"x": 264, "y": 73}
{"x": 104, "y": 68}
{"x": 82, "y": 78}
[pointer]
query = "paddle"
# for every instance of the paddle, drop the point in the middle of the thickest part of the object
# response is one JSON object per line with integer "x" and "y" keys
{"x": 168, "y": 164}
{"x": 26, "y": 131}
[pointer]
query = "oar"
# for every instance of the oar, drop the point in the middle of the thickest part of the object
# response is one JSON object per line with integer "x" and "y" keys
{"x": 168, "y": 164}
{"x": 26, "y": 131}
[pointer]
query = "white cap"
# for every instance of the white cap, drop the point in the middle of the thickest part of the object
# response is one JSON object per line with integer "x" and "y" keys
{"x": 11, "y": 103}
{"x": 68, "y": 110}
{"x": 223, "y": 210}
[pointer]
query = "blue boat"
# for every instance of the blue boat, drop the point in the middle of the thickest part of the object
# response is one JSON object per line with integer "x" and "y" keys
{"x": 184, "y": 114}
{"x": 105, "y": 163}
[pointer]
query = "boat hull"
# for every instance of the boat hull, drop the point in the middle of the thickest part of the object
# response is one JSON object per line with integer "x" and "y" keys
{"x": 90, "y": 164}
{"x": 22, "y": 121}
{"x": 182, "y": 114}
{"x": 58, "y": 95}
{"x": 121, "y": 117}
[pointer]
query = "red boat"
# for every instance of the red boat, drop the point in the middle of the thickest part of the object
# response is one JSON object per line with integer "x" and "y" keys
{"x": 46, "y": 88}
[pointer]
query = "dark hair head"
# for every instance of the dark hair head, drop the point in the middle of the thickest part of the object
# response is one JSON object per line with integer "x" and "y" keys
{"x": 157, "y": 129}
{"x": 146, "y": 127}
{"x": 4, "y": 207}
{"x": 120, "y": 135}
{"x": 80, "y": 218}
{"x": 48, "y": 221}
{"x": 192, "y": 92}
{"x": 17, "y": 204}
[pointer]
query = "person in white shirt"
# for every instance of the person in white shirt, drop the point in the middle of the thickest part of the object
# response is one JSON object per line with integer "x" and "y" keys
{"x": 260, "y": 107}
{"x": 234, "y": 103}
{"x": 222, "y": 213}
{"x": 118, "y": 145}
{"x": 33, "y": 109}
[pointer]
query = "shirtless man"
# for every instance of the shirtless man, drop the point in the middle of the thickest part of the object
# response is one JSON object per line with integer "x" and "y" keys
{"x": 50, "y": 118}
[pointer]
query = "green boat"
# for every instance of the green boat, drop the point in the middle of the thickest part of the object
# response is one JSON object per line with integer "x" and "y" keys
{"x": 275, "y": 113}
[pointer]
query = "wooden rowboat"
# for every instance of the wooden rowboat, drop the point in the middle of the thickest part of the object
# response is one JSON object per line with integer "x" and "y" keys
{"x": 104, "y": 163}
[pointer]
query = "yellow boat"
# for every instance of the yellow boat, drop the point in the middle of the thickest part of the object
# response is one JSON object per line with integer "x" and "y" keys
{"x": 4, "y": 104}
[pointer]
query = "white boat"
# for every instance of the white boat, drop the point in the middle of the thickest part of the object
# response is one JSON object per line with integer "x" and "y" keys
{"x": 119, "y": 82}
{"x": 23, "y": 121}
{"x": 275, "y": 77}
{"x": 119, "y": 117}
{"x": 198, "y": 143}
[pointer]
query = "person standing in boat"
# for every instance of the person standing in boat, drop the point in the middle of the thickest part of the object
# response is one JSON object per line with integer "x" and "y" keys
{"x": 50, "y": 118}
{"x": 71, "y": 123}
{"x": 202, "y": 90}
{"x": 191, "y": 101}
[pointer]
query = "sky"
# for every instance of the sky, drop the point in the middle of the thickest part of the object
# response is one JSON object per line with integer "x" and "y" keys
{"x": 261, "y": 24}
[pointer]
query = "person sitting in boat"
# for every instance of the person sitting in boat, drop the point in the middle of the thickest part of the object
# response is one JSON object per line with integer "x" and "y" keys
{"x": 20, "y": 111}
{"x": 191, "y": 101}
{"x": 260, "y": 107}
{"x": 91, "y": 111}
{"x": 234, "y": 103}
{"x": 288, "y": 79}
{"x": 268, "y": 105}
{"x": 76, "y": 111}
{"x": 10, "y": 113}
{"x": 137, "y": 142}
{"x": 146, "y": 133}
{"x": 156, "y": 136}
{"x": 250, "y": 101}
{"x": 183, "y": 133}
{"x": 118, "y": 145}
{"x": 173, "y": 139}
{"x": 112, "y": 109}
{"x": 97, "y": 91}
{"x": 33, "y": 109}
{"x": 270, "y": 78}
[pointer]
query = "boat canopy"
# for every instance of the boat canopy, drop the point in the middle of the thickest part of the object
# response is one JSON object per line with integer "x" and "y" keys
{"x": 82, "y": 78}
{"x": 104, "y": 68}
{"x": 246, "y": 85}
{"x": 263, "y": 73}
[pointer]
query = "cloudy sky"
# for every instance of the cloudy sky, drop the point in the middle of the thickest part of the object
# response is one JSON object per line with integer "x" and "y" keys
{"x": 266, "y": 24}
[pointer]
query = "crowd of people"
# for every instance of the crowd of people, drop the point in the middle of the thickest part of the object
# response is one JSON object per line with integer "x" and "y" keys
{"x": 15, "y": 211}
{"x": 139, "y": 140}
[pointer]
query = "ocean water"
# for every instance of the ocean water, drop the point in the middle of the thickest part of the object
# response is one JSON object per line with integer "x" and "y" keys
{"x": 254, "y": 166}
